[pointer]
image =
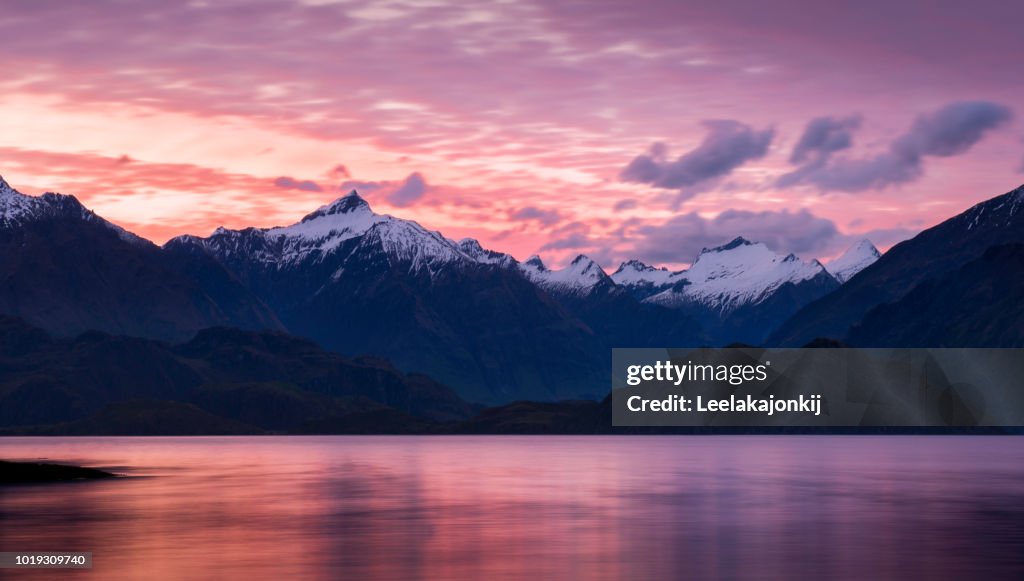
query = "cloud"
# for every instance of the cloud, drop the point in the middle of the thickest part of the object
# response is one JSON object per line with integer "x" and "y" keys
{"x": 682, "y": 237}
{"x": 728, "y": 145}
{"x": 409, "y": 192}
{"x": 293, "y": 184}
{"x": 340, "y": 172}
{"x": 623, "y": 205}
{"x": 545, "y": 217}
{"x": 950, "y": 131}
{"x": 574, "y": 241}
{"x": 360, "y": 186}
{"x": 953, "y": 129}
{"x": 824, "y": 136}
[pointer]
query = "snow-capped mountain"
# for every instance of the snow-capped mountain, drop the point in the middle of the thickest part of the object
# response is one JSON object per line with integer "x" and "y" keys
{"x": 17, "y": 209}
{"x": 738, "y": 291}
{"x": 643, "y": 280}
{"x": 472, "y": 249}
{"x": 579, "y": 278}
{"x": 322, "y": 233}
{"x": 736, "y": 274}
{"x": 68, "y": 270}
{"x": 364, "y": 283}
{"x": 856, "y": 258}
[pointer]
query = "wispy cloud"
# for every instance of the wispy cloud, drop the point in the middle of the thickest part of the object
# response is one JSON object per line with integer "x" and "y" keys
{"x": 950, "y": 131}
{"x": 727, "y": 145}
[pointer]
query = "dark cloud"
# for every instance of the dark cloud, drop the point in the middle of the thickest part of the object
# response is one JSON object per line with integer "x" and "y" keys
{"x": 824, "y": 136}
{"x": 952, "y": 130}
{"x": 360, "y": 186}
{"x": 623, "y": 205}
{"x": 410, "y": 191}
{"x": 294, "y": 184}
{"x": 574, "y": 241}
{"x": 728, "y": 145}
{"x": 545, "y": 217}
{"x": 681, "y": 238}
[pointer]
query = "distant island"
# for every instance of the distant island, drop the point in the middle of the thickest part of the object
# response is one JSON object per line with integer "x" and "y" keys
{"x": 29, "y": 472}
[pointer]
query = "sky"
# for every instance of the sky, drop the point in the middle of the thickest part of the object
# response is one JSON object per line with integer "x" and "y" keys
{"x": 613, "y": 128}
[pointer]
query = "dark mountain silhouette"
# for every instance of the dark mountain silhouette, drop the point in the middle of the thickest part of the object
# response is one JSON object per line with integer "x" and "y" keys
{"x": 358, "y": 282}
{"x": 68, "y": 271}
{"x": 251, "y": 380}
{"x": 977, "y": 305}
{"x": 932, "y": 254}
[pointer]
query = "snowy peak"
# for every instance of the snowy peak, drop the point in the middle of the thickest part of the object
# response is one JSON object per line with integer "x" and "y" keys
{"x": 318, "y": 232}
{"x": 643, "y": 280}
{"x": 741, "y": 272}
{"x": 856, "y": 258}
{"x": 348, "y": 223}
{"x": 471, "y": 246}
{"x": 5, "y": 188}
{"x": 737, "y": 242}
{"x": 636, "y": 268}
{"x": 475, "y": 251}
{"x": 737, "y": 252}
{"x": 535, "y": 263}
{"x": 351, "y": 203}
{"x": 17, "y": 209}
{"x": 584, "y": 268}
{"x": 578, "y": 278}
{"x": 344, "y": 218}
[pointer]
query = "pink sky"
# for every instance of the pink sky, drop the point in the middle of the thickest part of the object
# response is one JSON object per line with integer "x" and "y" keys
{"x": 515, "y": 122}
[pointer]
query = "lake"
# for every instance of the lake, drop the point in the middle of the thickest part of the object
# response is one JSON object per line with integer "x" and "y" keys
{"x": 855, "y": 507}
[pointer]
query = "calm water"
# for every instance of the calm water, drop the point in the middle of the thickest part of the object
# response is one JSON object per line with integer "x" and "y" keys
{"x": 539, "y": 507}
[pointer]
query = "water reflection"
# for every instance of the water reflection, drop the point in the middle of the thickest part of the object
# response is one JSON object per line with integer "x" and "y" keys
{"x": 509, "y": 508}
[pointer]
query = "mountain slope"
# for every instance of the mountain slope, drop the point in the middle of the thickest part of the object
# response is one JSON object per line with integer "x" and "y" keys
{"x": 265, "y": 379}
{"x": 738, "y": 292}
{"x": 359, "y": 282}
{"x": 933, "y": 253}
{"x": 643, "y": 280}
{"x": 856, "y": 258}
{"x": 977, "y": 305}
{"x": 67, "y": 270}
{"x": 581, "y": 277}
{"x": 739, "y": 273}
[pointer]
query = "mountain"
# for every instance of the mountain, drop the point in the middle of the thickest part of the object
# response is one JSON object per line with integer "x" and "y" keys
{"x": 472, "y": 249}
{"x": 977, "y": 305}
{"x": 739, "y": 273}
{"x": 738, "y": 291}
{"x": 363, "y": 283}
{"x": 856, "y": 258}
{"x": 67, "y": 270}
{"x": 582, "y": 277}
{"x": 931, "y": 255}
{"x": 617, "y": 316}
{"x": 643, "y": 280}
{"x": 263, "y": 379}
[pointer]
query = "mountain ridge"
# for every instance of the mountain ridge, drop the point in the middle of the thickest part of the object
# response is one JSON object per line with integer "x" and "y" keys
{"x": 930, "y": 254}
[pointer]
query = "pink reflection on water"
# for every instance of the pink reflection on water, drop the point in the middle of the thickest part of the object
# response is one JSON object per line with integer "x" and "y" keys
{"x": 509, "y": 508}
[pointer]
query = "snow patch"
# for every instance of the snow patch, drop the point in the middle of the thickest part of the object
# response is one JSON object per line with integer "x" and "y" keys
{"x": 736, "y": 274}
{"x": 856, "y": 258}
